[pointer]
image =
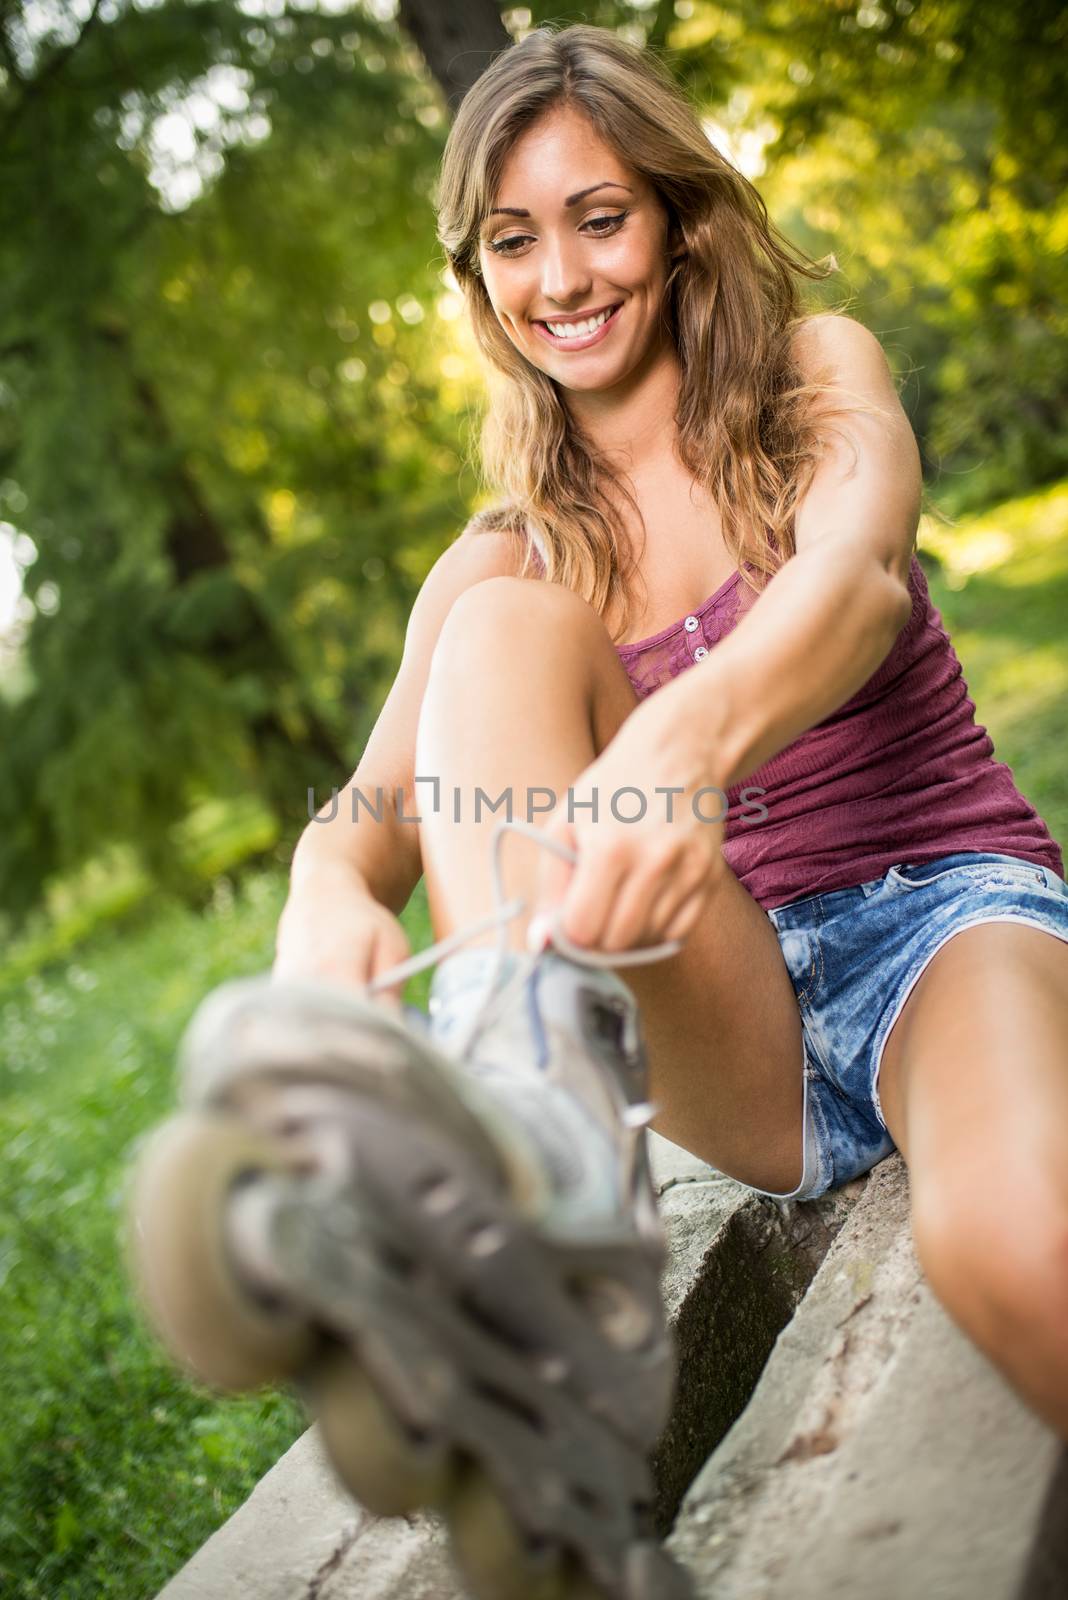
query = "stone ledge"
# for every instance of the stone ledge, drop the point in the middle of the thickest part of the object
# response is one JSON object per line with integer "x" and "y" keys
{"x": 738, "y": 1267}
{"x": 881, "y": 1453}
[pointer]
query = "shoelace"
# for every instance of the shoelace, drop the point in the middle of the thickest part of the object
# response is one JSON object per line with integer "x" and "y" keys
{"x": 540, "y": 934}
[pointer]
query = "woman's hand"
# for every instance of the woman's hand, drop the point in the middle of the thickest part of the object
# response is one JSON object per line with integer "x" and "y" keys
{"x": 644, "y": 881}
{"x": 334, "y": 928}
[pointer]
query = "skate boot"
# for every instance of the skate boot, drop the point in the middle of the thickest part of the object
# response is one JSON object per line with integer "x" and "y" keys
{"x": 446, "y": 1235}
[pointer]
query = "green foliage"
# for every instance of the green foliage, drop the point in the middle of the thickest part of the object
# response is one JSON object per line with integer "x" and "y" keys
{"x": 221, "y": 423}
{"x": 235, "y": 427}
{"x": 1002, "y": 586}
{"x": 115, "y": 1468}
{"x": 899, "y": 143}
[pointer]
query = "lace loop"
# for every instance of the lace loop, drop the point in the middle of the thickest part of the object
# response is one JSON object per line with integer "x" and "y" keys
{"x": 550, "y": 934}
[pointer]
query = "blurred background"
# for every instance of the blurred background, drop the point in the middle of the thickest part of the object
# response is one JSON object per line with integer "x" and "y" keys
{"x": 237, "y": 404}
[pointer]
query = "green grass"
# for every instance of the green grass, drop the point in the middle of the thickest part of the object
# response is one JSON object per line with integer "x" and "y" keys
{"x": 217, "y": 836}
{"x": 115, "y": 1467}
{"x": 1002, "y": 589}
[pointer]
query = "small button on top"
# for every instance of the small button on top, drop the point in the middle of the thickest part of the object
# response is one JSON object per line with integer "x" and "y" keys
{"x": 700, "y": 653}
{"x": 690, "y": 624}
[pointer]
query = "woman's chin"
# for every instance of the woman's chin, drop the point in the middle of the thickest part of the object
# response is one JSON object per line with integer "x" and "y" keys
{"x": 585, "y": 377}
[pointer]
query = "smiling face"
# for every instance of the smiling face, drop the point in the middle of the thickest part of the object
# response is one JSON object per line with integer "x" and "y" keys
{"x": 575, "y": 255}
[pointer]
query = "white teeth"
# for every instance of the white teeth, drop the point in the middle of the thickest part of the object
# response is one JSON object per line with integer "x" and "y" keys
{"x": 576, "y": 330}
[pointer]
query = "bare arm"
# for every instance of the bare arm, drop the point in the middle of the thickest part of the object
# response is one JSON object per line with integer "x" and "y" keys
{"x": 831, "y": 614}
{"x": 384, "y": 857}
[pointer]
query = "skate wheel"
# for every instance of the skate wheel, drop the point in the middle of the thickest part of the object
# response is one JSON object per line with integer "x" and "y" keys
{"x": 388, "y": 1468}
{"x": 207, "y": 1319}
{"x": 498, "y": 1559}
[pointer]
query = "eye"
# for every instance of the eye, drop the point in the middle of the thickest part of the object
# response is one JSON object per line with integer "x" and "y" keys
{"x": 613, "y": 222}
{"x": 618, "y": 217}
{"x": 509, "y": 246}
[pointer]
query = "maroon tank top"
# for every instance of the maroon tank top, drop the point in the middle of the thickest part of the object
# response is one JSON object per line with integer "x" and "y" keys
{"x": 901, "y": 772}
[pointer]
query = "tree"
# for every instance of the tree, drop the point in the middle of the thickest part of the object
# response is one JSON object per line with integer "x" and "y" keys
{"x": 210, "y": 440}
{"x": 233, "y": 425}
{"x": 457, "y": 42}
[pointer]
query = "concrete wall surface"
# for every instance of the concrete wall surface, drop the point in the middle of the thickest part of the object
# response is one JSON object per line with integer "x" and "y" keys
{"x": 881, "y": 1455}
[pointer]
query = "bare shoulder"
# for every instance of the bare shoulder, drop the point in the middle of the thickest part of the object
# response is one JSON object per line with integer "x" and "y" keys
{"x": 831, "y": 347}
{"x": 869, "y": 478}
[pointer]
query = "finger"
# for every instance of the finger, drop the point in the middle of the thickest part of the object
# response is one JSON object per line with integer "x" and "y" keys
{"x": 631, "y": 917}
{"x": 587, "y": 907}
{"x": 673, "y": 894}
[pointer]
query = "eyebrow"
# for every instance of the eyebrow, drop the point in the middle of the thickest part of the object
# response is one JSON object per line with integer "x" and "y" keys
{"x": 572, "y": 200}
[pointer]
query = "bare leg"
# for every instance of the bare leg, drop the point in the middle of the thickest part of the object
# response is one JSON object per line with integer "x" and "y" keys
{"x": 526, "y": 689}
{"x": 974, "y": 1089}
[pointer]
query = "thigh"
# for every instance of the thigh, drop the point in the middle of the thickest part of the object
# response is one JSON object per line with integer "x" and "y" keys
{"x": 974, "y": 1076}
{"x": 721, "y": 1019}
{"x": 976, "y": 1091}
{"x": 723, "y": 1031}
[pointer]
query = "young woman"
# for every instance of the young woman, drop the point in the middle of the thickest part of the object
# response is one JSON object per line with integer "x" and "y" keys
{"x": 694, "y": 634}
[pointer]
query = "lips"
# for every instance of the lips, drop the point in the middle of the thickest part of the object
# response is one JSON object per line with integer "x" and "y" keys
{"x": 580, "y": 341}
{"x": 579, "y": 316}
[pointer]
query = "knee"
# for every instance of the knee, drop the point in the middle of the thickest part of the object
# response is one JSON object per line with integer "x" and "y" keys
{"x": 998, "y": 1261}
{"x": 508, "y": 608}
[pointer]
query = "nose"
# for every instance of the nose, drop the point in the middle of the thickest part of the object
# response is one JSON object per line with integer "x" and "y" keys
{"x": 564, "y": 275}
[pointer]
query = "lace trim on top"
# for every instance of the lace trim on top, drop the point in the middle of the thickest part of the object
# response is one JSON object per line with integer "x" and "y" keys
{"x": 651, "y": 662}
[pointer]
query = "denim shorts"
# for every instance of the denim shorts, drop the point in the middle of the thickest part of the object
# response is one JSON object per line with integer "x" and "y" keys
{"x": 854, "y": 955}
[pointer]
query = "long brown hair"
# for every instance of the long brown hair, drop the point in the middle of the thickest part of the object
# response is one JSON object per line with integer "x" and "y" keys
{"x": 745, "y": 421}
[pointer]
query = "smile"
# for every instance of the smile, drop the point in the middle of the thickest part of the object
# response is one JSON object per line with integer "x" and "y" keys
{"x": 579, "y": 335}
